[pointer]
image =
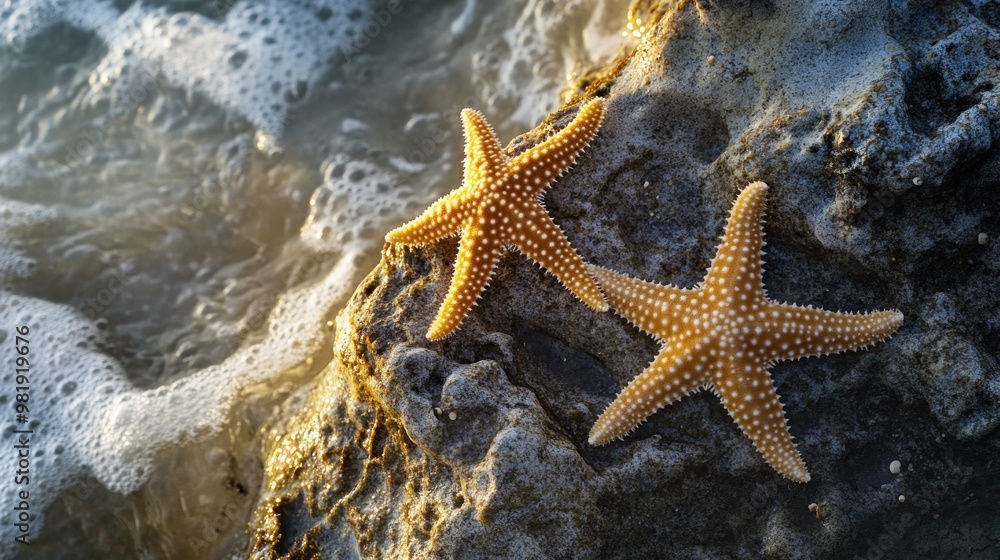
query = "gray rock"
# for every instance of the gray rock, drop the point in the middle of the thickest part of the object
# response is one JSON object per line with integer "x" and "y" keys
{"x": 876, "y": 125}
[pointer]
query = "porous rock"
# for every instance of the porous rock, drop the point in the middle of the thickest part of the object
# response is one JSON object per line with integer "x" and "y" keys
{"x": 876, "y": 124}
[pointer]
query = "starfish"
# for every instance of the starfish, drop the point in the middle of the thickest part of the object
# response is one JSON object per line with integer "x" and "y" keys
{"x": 499, "y": 206}
{"x": 725, "y": 335}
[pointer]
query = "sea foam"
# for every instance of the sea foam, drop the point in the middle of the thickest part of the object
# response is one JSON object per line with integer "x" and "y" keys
{"x": 85, "y": 416}
{"x": 256, "y": 59}
{"x": 88, "y": 419}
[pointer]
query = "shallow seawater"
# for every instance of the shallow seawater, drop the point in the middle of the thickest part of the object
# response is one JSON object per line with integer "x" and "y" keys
{"x": 189, "y": 191}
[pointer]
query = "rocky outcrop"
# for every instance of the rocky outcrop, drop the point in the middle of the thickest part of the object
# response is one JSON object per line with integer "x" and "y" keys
{"x": 876, "y": 124}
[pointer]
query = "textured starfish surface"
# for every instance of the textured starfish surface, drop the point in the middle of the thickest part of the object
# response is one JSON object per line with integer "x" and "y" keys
{"x": 499, "y": 206}
{"x": 725, "y": 335}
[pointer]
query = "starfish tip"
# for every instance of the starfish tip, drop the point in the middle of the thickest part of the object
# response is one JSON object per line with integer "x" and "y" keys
{"x": 436, "y": 332}
{"x": 800, "y": 476}
{"x": 596, "y": 440}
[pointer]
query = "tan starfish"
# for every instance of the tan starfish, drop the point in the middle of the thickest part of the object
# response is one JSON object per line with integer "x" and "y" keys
{"x": 499, "y": 206}
{"x": 725, "y": 335}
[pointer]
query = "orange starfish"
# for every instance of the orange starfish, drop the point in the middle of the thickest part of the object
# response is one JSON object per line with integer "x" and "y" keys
{"x": 499, "y": 206}
{"x": 725, "y": 335}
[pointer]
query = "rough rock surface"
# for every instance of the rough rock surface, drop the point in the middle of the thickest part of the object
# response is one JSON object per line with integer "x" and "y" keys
{"x": 877, "y": 126}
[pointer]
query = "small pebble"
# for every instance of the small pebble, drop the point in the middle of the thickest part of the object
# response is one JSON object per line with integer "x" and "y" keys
{"x": 894, "y": 467}
{"x": 918, "y": 181}
{"x": 452, "y": 415}
{"x": 983, "y": 239}
{"x": 711, "y": 60}
{"x": 902, "y": 498}
{"x": 646, "y": 81}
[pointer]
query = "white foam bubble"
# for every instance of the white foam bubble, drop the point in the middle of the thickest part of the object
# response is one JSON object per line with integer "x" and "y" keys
{"x": 358, "y": 201}
{"x": 15, "y": 216}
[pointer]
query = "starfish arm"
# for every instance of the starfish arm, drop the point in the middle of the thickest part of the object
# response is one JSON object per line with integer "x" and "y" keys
{"x": 737, "y": 266}
{"x": 484, "y": 156}
{"x": 542, "y": 241}
{"x": 748, "y": 394}
{"x": 539, "y": 166}
{"x": 673, "y": 374}
{"x": 794, "y": 331}
{"x": 441, "y": 219}
{"x": 646, "y": 305}
{"x": 477, "y": 257}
